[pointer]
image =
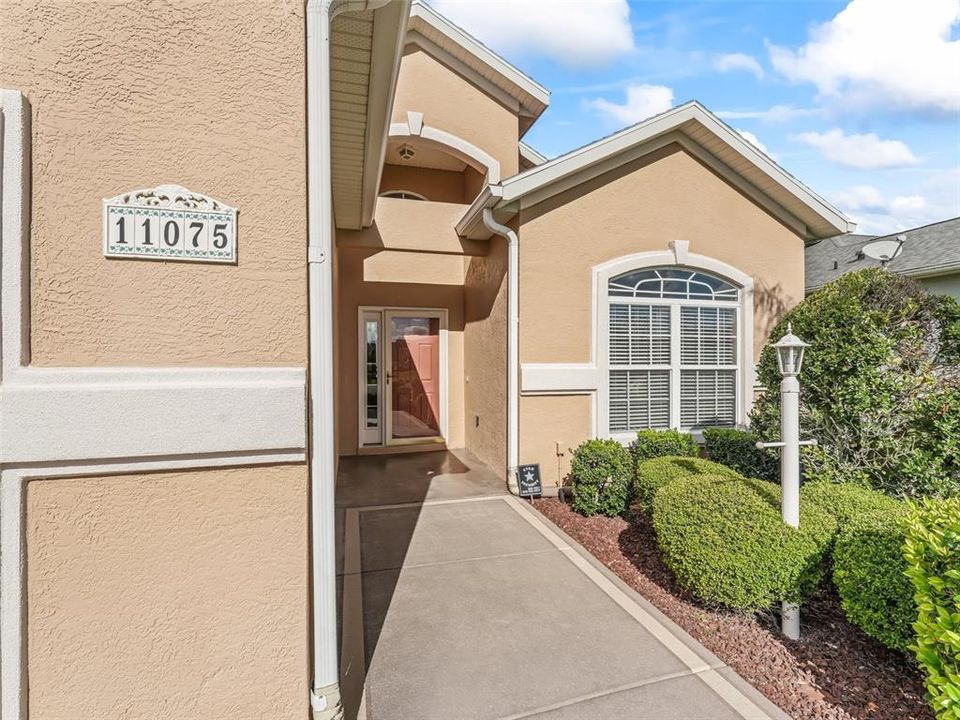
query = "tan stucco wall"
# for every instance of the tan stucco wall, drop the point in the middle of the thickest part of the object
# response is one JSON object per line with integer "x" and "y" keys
{"x": 208, "y": 94}
{"x": 395, "y": 279}
{"x": 549, "y": 428}
{"x": 641, "y": 207}
{"x": 170, "y": 596}
{"x": 451, "y": 103}
{"x": 485, "y": 355}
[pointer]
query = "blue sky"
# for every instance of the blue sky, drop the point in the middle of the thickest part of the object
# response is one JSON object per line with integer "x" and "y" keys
{"x": 859, "y": 99}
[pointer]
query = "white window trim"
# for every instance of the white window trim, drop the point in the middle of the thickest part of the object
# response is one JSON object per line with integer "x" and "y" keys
{"x": 592, "y": 378}
{"x": 677, "y": 256}
{"x": 398, "y": 193}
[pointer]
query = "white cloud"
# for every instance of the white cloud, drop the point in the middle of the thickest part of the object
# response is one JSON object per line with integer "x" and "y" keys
{"x": 574, "y": 32}
{"x": 865, "y": 152}
{"x": 753, "y": 140}
{"x": 738, "y": 61}
{"x": 642, "y": 101}
{"x": 882, "y": 53}
{"x": 775, "y": 114}
{"x": 932, "y": 201}
{"x": 859, "y": 197}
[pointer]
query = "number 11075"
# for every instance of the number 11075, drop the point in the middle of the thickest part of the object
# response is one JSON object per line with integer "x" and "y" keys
{"x": 174, "y": 235}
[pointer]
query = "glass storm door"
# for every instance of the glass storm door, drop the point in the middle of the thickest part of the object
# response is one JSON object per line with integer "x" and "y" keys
{"x": 412, "y": 391}
{"x": 371, "y": 378}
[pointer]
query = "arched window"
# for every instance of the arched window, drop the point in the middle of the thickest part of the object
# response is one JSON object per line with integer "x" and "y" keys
{"x": 673, "y": 349}
{"x": 403, "y": 194}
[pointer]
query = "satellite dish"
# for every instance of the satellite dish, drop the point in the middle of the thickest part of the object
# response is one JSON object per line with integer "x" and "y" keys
{"x": 884, "y": 250}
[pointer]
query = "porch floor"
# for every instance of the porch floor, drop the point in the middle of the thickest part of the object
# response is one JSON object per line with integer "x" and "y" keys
{"x": 459, "y": 601}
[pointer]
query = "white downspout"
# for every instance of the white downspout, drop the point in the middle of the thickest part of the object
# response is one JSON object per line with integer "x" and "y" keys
{"x": 325, "y": 689}
{"x": 513, "y": 343}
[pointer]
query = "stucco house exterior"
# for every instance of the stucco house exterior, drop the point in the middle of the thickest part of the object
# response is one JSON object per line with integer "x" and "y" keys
{"x": 407, "y": 275}
{"x": 929, "y": 254}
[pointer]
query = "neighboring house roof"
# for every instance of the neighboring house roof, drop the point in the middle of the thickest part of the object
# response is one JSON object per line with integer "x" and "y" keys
{"x": 699, "y": 132}
{"x": 927, "y": 251}
{"x": 464, "y": 53}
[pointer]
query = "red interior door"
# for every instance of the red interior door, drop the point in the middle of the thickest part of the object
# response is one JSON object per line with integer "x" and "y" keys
{"x": 415, "y": 376}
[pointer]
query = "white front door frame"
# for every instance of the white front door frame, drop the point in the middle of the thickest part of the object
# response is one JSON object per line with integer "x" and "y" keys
{"x": 385, "y": 312}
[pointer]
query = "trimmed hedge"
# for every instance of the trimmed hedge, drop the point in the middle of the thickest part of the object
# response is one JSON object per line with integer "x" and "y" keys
{"x": 932, "y": 553}
{"x": 869, "y": 571}
{"x": 724, "y": 540}
{"x": 600, "y": 471}
{"x": 654, "y": 474}
{"x": 738, "y": 449}
{"x": 660, "y": 443}
{"x": 847, "y": 502}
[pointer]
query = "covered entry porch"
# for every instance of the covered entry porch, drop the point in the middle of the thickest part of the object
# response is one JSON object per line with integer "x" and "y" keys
{"x": 458, "y": 600}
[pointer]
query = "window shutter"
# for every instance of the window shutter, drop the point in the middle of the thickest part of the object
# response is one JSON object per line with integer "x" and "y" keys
{"x": 639, "y": 399}
{"x": 707, "y": 397}
{"x": 708, "y": 336}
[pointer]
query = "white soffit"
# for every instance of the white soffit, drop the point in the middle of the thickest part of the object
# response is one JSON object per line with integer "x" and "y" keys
{"x": 433, "y": 31}
{"x": 697, "y": 130}
{"x": 365, "y": 52}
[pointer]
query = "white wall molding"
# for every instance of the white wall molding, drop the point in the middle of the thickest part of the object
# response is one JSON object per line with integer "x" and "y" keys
{"x": 559, "y": 378}
{"x": 61, "y": 415}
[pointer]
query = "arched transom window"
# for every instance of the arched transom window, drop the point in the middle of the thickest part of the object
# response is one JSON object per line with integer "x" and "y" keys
{"x": 673, "y": 354}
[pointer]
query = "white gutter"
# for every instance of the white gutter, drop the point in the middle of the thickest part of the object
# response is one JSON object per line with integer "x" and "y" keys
{"x": 325, "y": 689}
{"x": 513, "y": 341}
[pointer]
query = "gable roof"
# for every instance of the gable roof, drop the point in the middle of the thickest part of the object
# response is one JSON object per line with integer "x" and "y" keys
{"x": 462, "y": 52}
{"x": 529, "y": 157}
{"x": 698, "y": 131}
{"x": 928, "y": 250}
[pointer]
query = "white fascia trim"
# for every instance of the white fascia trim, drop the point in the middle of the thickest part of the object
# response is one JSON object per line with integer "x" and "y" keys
{"x": 389, "y": 31}
{"x": 428, "y": 15}
{"x": 532, "y": 156}
{"x": 458, "y": 147}
{"x": 546, "y": 178}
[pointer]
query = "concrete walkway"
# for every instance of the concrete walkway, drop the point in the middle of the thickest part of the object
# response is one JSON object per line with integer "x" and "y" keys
{"x": 466, "y": 603}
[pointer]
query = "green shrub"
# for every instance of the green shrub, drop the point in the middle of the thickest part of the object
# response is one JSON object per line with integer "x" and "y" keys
{"x": 932, "y": 553}
{"x": 724, "y": 540}
{"x": 880, "y": 387}
{"x": 738, "y": 449}
{"x": 847, "y": 502}
{"x": 600, "y": 471}
{"x": 654, "y": 474}
{"x": 869, "y": 572}
{"x": 660, "y": 443}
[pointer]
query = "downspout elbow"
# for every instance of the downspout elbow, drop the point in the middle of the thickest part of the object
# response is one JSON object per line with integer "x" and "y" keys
{"x": 513, "y": 344}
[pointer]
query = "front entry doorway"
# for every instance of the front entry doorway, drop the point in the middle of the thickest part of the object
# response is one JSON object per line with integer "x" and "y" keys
{"x": 402, "y": 397}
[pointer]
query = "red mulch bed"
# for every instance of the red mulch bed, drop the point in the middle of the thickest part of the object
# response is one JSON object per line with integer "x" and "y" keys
{"x": 833, "y": 672}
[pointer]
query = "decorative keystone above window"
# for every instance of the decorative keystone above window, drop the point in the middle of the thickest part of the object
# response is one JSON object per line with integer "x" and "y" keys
{"x": 169, "y": 222}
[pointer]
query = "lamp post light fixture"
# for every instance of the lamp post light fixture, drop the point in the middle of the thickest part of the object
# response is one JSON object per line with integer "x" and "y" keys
{"x": 790, "y": 351}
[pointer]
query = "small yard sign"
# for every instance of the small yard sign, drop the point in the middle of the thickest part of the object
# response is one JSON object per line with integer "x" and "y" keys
{"x": 169, "y": 222}
{"x": 528, "y": 480}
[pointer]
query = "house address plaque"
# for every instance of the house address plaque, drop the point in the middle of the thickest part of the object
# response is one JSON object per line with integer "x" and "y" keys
{"x": 169, "y": 222}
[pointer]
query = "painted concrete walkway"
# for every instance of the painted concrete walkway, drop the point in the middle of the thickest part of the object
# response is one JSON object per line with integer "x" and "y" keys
{"x": 462, "y": 602}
